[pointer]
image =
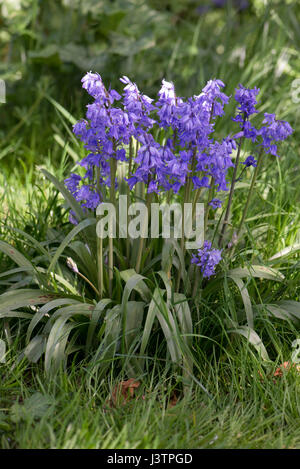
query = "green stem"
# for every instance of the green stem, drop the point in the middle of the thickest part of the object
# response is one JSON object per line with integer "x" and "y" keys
{"x": 128, "y": 196}
{"x": 89, "y": 282}
{"x": 198, "y": 277}
{"x": 259, "y": 162}
{"x": 193, "y": 167}
{"x": 113, "y": 170}
{"x": 130, "y": 155}
{"x": 169, "y": 194}
{"x": 99, "y": 244}
{"x": 142, "y": 240}
{"x": 100, "y": 265}
{"x": 226, "y": 218}
{"x": 187, "y": 193}
{"x": 185, "y": 199}
{"x": 196, "y": 198}
{"x": 209, "y": 199}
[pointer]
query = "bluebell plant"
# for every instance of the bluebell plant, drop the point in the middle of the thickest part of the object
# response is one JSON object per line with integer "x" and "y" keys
{"x": 151, "y": 150}
{"x": 169, "y": 145}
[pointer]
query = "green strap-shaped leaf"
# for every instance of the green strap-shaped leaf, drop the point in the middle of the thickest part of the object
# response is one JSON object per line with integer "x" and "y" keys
{"x": 246, "y": 300}
{"x": 97, "y": 312}
{"x": 167, "y": 283}
{"x": 34, "y": 242}
{"x": 15, "y": 299}
{"x": 62, "y": 110}
{"x": 73, "y": 204}
{"x": 280, "y": 313}
{"x": 15, "y": 271}
{"x": 36, "y": 347}
{"x": 67, "y": 312}
{"x": 253, "y": 338}
{"x": 15, "y": 314}
{"x": 183, "y": 271}
{"x": 109, "y": 344}
{"x": 286, "y": 310}
{"x": 75, "y": 231}
{"x": 134, "y": 321}
{"x": 87, "y": 264}
{"x": 183, "y": 312}
{"x": 291, "y": 306}
{"x": 56, "y": 343}
{"x": 149, "y": 321}
{"x": 59, "y": 279}
{"x": 45, "y": 310}
{"x": 169, "y": 328}
{"x": 16, "y": 256}
{"x": 2, "y": 351}
{"x": 66, "y": 147}
{"x": 285, "y": 252}
{"x": 131, "y": 284}
{"x": 259, "y": 271}
{"x": 167, "y": 256}
{"x": 159, "y": 308}
{"x": 139, "y": 285}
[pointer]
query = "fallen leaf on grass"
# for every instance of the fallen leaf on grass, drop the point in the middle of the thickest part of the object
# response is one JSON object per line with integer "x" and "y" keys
{"x": 123, "y": 392}
{"x": 286, "y": 366}
{"x": 173, "y": 401}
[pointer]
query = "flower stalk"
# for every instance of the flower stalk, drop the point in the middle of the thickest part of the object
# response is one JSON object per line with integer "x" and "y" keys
{"x": 250, "y": 193}
{"x": 230, "y": 197}
{"x": 113, "y": 170}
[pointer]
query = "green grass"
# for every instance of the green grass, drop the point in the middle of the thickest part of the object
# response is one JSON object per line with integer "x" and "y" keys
{"x": 245, "y": 411}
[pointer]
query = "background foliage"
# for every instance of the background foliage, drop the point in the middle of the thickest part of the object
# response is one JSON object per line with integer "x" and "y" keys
{"x": 47, "y": 46}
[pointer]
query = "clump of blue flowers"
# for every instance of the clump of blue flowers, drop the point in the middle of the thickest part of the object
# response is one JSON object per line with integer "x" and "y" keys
{"x": 207, "y": 259}
{"x": 188, "y": 124}
{"x": 169, "y": 145}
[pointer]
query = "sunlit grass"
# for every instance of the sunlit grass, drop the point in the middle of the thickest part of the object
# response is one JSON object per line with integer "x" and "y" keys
{"x": 249, "y": 408}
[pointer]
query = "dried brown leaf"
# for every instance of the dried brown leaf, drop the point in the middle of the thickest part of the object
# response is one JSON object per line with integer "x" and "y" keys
{"x": 123, "y": 392}
{"x": 173, "y": 401}
{"x": 286, "y": 366}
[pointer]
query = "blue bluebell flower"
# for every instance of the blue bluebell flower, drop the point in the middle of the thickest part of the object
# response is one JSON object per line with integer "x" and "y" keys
{"x": 207, "y": 259}
{"x": 250, "y": 161}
